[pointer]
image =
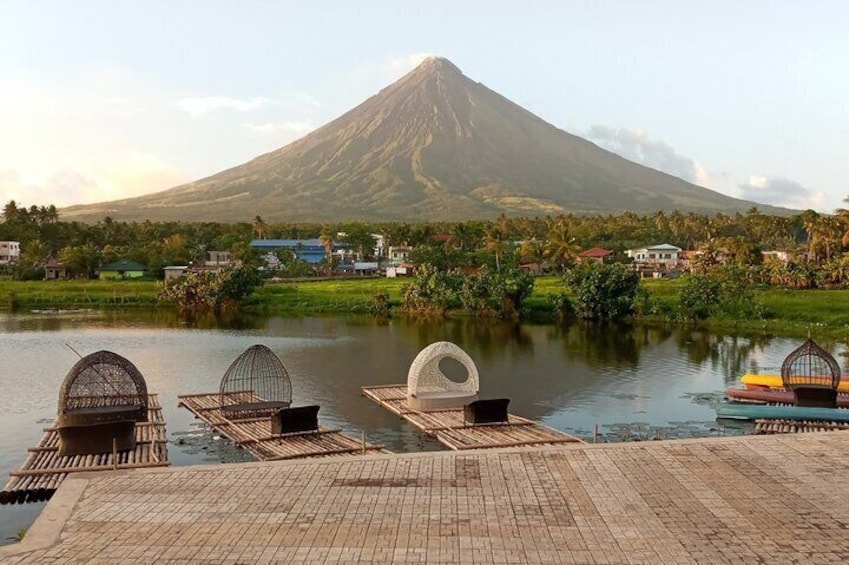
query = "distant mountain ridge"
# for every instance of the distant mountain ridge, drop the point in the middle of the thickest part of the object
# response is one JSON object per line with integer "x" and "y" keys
{"x": 434, "y": 145}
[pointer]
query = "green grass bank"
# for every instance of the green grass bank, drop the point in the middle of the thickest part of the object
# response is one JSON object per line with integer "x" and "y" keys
{"x": 825, "y": 313}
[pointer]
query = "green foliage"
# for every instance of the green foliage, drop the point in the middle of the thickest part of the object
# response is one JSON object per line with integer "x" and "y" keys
{"x": 722, "y": 290}
{"x": 379, "y": 305}
{"x": 562, "y": 305}
{"x": 603, "y": 292}
{"x": 700, "y": 296}
{"x": 430, "y": 292}
{"x": 208, "y": 291}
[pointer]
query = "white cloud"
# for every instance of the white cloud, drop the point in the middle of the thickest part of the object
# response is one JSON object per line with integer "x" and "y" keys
{"x": 134, "y": 175}
{"x": 198, "y": 106}
{"x": 785, "y": 192}
{"x": 298, "y": 127}
{"x": 636, "y": 145}
{"x": 405, "y": 63}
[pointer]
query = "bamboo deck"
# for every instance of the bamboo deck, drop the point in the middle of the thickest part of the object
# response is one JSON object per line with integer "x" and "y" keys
{"x": 254, "y": 434}
{"x": 763, "y": 427}
{"x": 451, "y": 429}
{"x": 44, "y": 469}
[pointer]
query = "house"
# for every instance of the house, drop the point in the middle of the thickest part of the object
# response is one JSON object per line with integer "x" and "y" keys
{"x": 54, "y": 270}
{"x": 10, "y": 252}
{"x": 595, "y": 255}
{"x": 365, "y": 268}
{"x": 663, "y": 255}
{"x": 400, "y": 270}
{"x": 174, "y": 271}
{"x": 309, "y": 250}
{"x": 219, "y": 259}
{"x": 399, "y": 253}
{"x": 122, "y": 269}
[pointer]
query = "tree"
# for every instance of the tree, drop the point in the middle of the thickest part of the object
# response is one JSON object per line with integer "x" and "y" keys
{"x": 80, "y": 260}
{"x": 11, "y": 212}
{"x": 209, "y": 291}
{"x": 327, "y": 241}
{"x": 259, "y": 227}
{"x": 603, "y": 292}
{"x": 561, "y": 248}
{"x": 533, "y": 251}
{"x": 699, "y": 296}
{"x": 430, "y": 292}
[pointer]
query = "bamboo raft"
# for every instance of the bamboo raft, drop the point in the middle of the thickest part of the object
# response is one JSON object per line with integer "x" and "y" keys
{"x": 451, "y": 429}
{"x": 44, "y": 470}
{"x": 254, "y": 434}
{"x": 763, "y": 427}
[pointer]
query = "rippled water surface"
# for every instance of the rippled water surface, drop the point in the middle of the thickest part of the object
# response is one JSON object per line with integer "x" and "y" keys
{"x": 633, "y": 383}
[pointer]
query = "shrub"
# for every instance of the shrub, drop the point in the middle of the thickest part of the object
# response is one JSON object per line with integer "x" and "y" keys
{"x": 210, "y": 291}
{"x": 430, "y": 292}
{"x": 603, "y": 292}
{"x": 379, "y": 305}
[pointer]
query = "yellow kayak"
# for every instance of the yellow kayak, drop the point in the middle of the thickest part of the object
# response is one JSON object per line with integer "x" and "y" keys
{"x": 774, "y": 381}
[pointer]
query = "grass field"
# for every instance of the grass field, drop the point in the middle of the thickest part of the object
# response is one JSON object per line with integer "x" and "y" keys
{"x": 825, "y": 313}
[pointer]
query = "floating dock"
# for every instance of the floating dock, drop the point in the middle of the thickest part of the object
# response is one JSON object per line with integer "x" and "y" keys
{"x": 764, "y": 427}
{"x": 451, "y": 429}
{"x": 254, "y": 434}
{"x": 44, "y": 469}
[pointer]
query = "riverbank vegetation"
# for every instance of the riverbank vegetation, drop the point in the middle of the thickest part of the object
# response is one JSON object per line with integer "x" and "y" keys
{"x": 479, "y": 268}
{"x": 782, "y": 311}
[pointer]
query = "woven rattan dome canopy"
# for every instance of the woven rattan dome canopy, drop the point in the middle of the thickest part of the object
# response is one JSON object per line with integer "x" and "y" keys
{"x": 810, "y": 366}
{"x": 102, "y": 379}
{"x": 260, "y": 371}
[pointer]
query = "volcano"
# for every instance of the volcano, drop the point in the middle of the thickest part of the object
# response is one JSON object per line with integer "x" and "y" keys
{"x": 435, "y": 145}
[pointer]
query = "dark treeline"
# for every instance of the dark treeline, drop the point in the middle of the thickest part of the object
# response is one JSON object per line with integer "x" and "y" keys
{"x": 816, "y": 240}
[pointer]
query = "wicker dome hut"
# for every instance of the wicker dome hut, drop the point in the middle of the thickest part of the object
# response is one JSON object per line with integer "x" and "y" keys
{"x": 812, "y": 374}
{"x": 256, "y": 384}
{"x": 103, "y": 379}
{"x": 427, "y": 386}
{"x": 100, "y": 401}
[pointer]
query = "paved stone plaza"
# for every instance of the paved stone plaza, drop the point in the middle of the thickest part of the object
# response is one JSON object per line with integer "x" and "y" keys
{"x": 765, "y": 499}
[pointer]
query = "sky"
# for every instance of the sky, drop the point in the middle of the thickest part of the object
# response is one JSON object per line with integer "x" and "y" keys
{"x": 101, "y": 100}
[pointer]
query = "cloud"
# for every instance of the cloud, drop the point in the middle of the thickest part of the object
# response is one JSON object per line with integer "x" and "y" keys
{"x": 135, "y": 175}
{"x": 298, "y": 127}
{"x": 202, "y": 105}
{"x": 404, "y": 63}
{"x": 637, "y": 146}
{"x": 780, "y": 191}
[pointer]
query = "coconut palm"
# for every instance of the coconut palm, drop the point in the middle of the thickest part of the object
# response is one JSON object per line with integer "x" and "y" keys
{"x": 259, "y": 227}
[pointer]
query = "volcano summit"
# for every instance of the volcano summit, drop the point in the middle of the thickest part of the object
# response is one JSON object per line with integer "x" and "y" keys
{"x": 435, "y": 145}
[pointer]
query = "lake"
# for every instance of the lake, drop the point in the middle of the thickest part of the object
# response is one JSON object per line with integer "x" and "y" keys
{"x": 633, "y": 382}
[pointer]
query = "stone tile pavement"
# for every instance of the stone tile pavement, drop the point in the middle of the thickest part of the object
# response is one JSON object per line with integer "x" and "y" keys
{"x": 766, "y": 499}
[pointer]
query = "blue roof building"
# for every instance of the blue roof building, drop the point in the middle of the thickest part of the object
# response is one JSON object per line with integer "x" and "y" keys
{"x": 309, "y": 250}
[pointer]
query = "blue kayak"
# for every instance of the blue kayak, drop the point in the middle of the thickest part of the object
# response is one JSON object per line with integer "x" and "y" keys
{"x": 770, "y": 412}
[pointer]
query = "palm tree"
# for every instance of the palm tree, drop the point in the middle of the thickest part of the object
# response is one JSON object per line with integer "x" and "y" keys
{"x": 533, "y": 251}
{"x": 259, "y": 227}
{"x": 34, "y": 254}
{"x": 494, "y": 242}
{"x": 561, "y": 248}
{"x": 327, "y": 241}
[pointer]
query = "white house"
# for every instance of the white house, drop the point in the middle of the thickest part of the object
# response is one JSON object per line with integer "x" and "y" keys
{"x": 219, "y": 259}
{"x": 10, "y": 252}
{"x": 399, "y": 253}
{"x": 663, "y": 254}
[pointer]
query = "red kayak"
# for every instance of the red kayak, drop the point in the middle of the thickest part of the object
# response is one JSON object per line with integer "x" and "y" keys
{"x": 773, "y": 396}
